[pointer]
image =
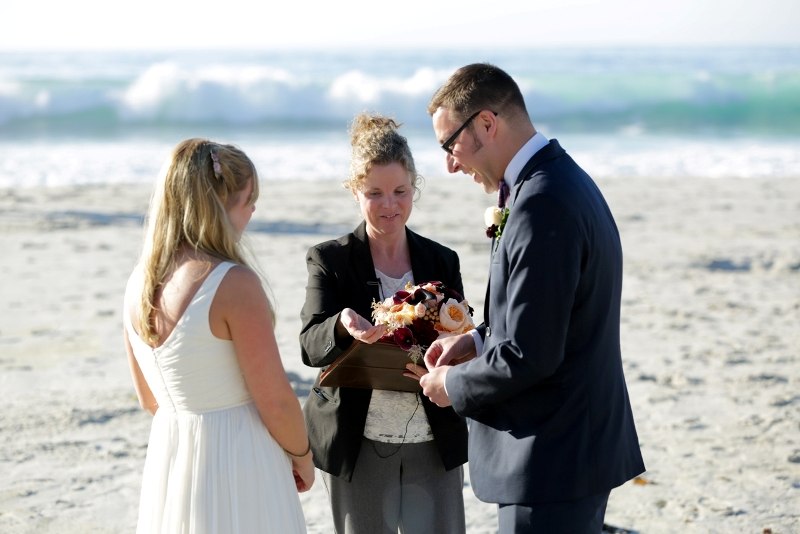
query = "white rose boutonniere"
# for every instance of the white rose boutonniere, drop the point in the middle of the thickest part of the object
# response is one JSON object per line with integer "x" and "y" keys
{"x": 495, "y": 219}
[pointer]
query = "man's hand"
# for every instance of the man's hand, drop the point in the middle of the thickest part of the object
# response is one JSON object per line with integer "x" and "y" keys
{"x": 439, "y": 358}
{"x": 450, "y": 350}
{"x": 433, "y": 386}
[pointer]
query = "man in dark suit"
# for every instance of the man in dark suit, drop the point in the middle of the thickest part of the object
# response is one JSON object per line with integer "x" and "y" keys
{"x": 552, "y": 430}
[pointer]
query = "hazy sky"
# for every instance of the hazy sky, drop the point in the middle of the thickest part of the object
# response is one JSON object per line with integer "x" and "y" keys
{"x": 280, "y": 24}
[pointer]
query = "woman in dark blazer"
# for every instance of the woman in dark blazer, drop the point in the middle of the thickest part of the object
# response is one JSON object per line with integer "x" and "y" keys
{"x": 390, "y": 459}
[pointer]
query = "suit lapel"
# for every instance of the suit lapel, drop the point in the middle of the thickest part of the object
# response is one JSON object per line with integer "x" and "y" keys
{"x": 550, "y": 151}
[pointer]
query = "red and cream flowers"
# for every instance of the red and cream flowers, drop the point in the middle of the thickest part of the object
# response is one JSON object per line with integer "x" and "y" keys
{"x": 419, "y": 314}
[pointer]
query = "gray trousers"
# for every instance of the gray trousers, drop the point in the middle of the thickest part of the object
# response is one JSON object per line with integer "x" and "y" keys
{"x": 398, "y": 487}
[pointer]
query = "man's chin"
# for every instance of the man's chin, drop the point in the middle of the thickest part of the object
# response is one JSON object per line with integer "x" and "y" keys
{"x": 488, "y": 187}
{"x": 478, "y": 179}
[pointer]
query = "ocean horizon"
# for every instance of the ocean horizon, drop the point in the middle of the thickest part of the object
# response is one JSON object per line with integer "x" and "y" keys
{"x": 71, "y": 118}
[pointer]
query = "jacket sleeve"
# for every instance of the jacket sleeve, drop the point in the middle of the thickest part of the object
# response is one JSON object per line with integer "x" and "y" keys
{"x": 319, "y": 344}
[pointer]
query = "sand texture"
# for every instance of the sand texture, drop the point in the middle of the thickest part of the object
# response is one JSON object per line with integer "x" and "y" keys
{"x": 710, "y": 333}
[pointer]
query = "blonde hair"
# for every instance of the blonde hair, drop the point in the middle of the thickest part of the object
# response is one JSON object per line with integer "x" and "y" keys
{"x": 202, "y": 180}
{"x": 375, "y": 141}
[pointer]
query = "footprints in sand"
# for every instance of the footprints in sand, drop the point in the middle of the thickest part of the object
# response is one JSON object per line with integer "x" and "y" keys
{"x": 100, "y": 416}
{"x": 779, "y": 263}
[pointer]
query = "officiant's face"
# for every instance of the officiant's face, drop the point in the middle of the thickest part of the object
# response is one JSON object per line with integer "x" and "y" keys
{"x": 386, "y": 196}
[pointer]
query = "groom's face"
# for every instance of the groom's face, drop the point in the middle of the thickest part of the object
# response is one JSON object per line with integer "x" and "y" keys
{"x": 462, "y": 151}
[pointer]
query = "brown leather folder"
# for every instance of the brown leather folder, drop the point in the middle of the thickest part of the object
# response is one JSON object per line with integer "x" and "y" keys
{"x": 373, "y": 366}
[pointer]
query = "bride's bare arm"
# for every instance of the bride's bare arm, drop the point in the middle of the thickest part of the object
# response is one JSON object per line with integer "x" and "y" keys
{"x": 146, "y": 398}
{"x": 242, "y": 304}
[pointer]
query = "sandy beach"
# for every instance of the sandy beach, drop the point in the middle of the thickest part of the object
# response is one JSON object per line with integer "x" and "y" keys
{"x": 710, "y": 333}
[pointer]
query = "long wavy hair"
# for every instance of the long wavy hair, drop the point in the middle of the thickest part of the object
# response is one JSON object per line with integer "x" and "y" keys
{"x": 189, "y": 207}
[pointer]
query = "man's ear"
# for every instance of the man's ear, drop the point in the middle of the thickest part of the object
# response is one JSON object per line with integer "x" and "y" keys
{"x": 487, "y": 121}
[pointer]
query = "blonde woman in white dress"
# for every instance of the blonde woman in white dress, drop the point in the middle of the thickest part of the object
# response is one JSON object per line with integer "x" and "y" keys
{"x": 228, "y": 450}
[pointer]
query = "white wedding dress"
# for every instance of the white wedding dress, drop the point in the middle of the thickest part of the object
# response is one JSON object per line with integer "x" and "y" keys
{"x": 211, "y": 465}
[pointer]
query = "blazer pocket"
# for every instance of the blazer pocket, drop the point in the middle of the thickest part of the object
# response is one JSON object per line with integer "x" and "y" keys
{"x": 323, "y": 397}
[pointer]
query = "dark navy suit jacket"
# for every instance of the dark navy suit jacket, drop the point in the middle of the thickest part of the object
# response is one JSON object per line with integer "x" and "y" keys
{"x": 550, "y": 409}
{"x": 341, "y": 275}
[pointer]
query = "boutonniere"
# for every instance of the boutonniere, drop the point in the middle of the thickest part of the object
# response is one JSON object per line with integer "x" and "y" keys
{"x": 495, "y": 219}
{"x": 495, "y": 216}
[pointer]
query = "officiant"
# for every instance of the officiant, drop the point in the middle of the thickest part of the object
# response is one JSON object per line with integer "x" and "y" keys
{"x": 390, "y": 459}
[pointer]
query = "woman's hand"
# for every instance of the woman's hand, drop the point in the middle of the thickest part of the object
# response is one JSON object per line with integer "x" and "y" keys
{"x": 303, "y": 471}
{"x": 359, "y": 327}
{"x": 415, "y": 371}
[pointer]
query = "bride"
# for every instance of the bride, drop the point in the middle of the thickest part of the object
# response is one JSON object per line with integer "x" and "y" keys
{"x": 228, "y": 449}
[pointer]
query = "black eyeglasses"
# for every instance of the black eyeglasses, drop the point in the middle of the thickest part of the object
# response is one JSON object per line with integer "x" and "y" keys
{"x": 447, "y": 146}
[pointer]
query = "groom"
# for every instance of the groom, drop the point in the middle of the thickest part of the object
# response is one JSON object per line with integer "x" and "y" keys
{"x": 552, "y": 430}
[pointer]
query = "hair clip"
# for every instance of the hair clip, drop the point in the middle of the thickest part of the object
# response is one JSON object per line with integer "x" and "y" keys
{"x": 217, "y": 167}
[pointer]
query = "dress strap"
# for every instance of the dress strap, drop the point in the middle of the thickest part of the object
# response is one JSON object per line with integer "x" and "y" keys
{"x": 201, "y": 302}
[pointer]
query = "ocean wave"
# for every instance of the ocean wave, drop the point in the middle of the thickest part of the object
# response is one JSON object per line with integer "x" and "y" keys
{"x": 590, "y": 93}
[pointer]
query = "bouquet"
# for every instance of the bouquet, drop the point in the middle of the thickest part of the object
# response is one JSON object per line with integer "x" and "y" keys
{"x": 419, "y": 314}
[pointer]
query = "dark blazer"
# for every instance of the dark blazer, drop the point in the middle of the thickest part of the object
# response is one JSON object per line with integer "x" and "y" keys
{"x": 341, "y": 275}
{"x": 552, "y": 419}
